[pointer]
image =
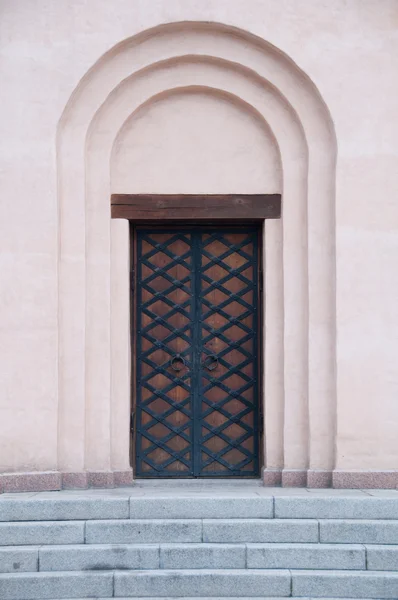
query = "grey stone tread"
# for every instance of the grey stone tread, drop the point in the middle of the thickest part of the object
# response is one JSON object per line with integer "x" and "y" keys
{"x": 76, "y": 557}
{"x": 252, "y": 501}
{"x": 306, "y": 556}
{"x": 260, "y": 530}
{"x": 351, "y": 584}
{"x": 186, "y": 584}
{"x": 143, "y": 531}
{"x": 353, "y": 531}
{"x": 194, "y": 583}
{"x": 87, "y": 557}
{"x": 17, "y": 559}
{"x": 320, "y": 507}
{"x": 64, "y": 508}
{"x": 41, "y": 532}
{"x": 201, "y": 508}
{"x": 202, "y": 556}
{"x": 51, "y": 586}
{"x": 382, "y": 558}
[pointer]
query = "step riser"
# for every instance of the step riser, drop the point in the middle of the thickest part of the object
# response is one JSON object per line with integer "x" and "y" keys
{"x": 19, "y": 560}
{"x": 203, "y": 556}
{"x": 336, "y": 508}
{"x": 201, "y": 508}
{"x": 37, "y": 533}
{"x": 188, "y": 584}
{"x": 194, "y": 531}
{"x": 99, "y": 558}
{"x": 318, "y": 556}
{"x": 358, "y": 532}
{"x": 197, "y": 556}
{"x": 345, "y": 585}
{"x": 233, "y": 531}
{"x": 157, "y": 585}
{"x": 265, "y": 507}
{"x": 66, "y": 509}
{"x": 141, "y": 558}
{"x": 47, "y": 586}
{"x": 143, "y": 532}
{"x": 382, "y": 558}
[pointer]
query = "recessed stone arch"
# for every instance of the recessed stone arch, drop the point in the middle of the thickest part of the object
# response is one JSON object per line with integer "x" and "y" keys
{"x": 234, "y": 147}
{"x": 299, "y": 252}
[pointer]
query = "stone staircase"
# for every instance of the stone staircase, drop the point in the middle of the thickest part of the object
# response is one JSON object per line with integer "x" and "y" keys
{"x": 199, "y": 541}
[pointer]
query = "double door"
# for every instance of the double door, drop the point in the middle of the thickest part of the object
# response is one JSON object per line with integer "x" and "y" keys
{"x": 197, "y": 411}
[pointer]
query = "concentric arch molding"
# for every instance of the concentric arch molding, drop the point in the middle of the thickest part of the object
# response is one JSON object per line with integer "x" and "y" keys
{"x": 94, "y": 385}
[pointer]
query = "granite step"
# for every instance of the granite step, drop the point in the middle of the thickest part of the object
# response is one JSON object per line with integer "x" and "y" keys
{"x": 75, "y": 507}
{"x": 350, "y": 584}
{"x": 85, "y": 557}
{"x": 173, "y": 544}
{"x": 336, "y": 507}
{"x": 63, "y": 506}
{"x": 200, "y": 583}
{"x": 260, "y": 530}
{"x": 132, "y": 584}
{"x": 54, "y": 586}
{"x": 196, "y": 530}
{"x": 229, "y": 531}
{"x": 194, "y": 583}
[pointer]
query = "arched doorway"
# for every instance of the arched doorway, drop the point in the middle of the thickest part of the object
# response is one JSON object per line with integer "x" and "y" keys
{"x": 299, "y": 372}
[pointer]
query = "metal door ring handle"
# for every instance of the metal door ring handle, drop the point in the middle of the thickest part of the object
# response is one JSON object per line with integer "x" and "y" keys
{"x": 177, "y": 362}
{"x": 210, "y": 366}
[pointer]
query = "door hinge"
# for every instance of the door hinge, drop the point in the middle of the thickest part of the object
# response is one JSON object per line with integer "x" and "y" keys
{"x": 132, "y": 422}
{"x": 261, "y": 280}
{"x": 261, "y": 423}
{"x": 132, "y": 281}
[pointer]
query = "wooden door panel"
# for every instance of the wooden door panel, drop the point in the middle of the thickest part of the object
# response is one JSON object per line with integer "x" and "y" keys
{"x": 197, "y": 382}
{"x": 229, "y": 395}
{"x": 164, "y": 354}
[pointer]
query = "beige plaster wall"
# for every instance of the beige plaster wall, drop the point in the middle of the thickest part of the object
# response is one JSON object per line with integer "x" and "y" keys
{"x": 327, "y": 405}
{"x": 195, "y": 142}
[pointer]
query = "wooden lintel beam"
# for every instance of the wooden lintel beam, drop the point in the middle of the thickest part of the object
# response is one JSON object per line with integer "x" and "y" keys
{"x": 147, "y": 207}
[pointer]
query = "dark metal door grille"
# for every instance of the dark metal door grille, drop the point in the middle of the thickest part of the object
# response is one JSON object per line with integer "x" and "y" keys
{"x": 197, "y": 382}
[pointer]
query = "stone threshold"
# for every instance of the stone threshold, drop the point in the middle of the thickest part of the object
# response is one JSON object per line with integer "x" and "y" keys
{"x": 271, "y": 478}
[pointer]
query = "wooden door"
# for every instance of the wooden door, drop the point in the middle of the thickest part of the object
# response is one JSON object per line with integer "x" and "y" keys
{"x": 197, "y": 329}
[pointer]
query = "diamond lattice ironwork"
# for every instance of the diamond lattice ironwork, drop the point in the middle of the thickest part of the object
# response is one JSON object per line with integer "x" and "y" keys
{"x": 164, "y": 353}
{"x": 197, "y": 394}
{"x": 228, "y": 275}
